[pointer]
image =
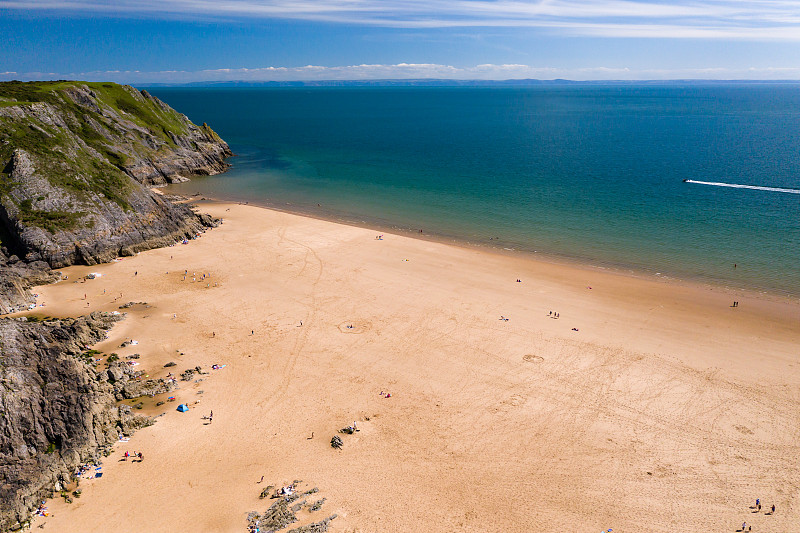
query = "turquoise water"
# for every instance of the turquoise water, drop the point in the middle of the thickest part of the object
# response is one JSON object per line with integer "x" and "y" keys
{"x": 592, "y": 174}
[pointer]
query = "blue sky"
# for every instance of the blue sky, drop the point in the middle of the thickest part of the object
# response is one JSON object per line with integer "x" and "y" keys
{"x": 148, "y": 41}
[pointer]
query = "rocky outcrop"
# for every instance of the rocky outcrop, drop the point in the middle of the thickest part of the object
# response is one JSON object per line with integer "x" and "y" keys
{"x": 76, "y": 167}
{"x": 56, "y": 410}
{"x": 76, "y": 163}
{"x": 16, "y": 279}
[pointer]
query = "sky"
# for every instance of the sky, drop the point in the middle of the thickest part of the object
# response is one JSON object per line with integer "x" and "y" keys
{"x": 184, "y": 41}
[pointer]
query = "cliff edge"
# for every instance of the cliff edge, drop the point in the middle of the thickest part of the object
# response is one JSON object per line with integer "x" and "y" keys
{"x": 56, "y": 409}
{"x": 76, "y": 163}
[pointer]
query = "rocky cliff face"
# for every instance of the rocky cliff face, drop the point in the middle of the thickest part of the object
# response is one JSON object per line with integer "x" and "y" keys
{"x": 77, "y": 160}
{"x": 17, "y": 277}
{"x": 76, "y": 163}
{"x": 56, "y": 410}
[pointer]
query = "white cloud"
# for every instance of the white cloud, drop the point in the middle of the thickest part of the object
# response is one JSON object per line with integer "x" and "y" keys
{"x": 411, "y": 71}
{"x": 710, "y": 19}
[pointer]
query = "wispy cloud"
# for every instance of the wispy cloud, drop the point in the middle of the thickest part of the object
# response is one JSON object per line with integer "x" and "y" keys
{"x": 407, "y": 71}
{"x": 711, "y": 19}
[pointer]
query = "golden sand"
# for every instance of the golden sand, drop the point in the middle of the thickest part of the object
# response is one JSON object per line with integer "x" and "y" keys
{"x": 667, "y": 410}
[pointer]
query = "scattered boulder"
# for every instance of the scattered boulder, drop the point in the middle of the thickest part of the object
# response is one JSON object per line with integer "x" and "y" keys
{"x": 58, "y": 410}
{"x": 283, "y": 511}
{"x": 317, "y": 527}
{"x": 131, "y": 304}
{"x": 277, "y": 517}
{"x": 317, "y": 505}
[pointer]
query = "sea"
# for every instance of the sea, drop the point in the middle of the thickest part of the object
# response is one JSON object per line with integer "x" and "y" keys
{"x": 694, "y": 182}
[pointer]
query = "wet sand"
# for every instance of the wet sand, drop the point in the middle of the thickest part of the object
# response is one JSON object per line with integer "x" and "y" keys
{"x": 666, "y": 410}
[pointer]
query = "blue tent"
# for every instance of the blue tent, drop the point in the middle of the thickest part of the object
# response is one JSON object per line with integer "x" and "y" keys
{"x": 182, "y": 408}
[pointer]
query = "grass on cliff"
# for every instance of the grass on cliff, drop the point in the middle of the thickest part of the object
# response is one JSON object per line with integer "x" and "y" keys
{"x": 143, "y": 112}
{"x": 80, "y": 173}
{"x": 65, "y": 161}
{"x": 52, "y": 221}
{"x": 5, "y": 103}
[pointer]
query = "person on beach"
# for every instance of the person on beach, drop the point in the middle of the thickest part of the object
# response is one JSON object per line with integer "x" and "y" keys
{"x": 773, "y": 509}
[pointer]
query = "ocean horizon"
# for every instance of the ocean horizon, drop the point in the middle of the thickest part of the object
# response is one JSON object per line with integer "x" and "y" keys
{"x": 592, "y": 174}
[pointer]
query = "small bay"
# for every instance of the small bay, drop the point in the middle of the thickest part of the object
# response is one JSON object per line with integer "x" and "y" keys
{"x": 589, "y": 173}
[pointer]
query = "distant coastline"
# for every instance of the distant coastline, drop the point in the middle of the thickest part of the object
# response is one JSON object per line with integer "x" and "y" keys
{"x": 590, "y": 174}
{"x": 442, "y": 82}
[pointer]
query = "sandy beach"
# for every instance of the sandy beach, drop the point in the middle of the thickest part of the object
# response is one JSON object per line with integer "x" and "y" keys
{"x": 645, "y": 406}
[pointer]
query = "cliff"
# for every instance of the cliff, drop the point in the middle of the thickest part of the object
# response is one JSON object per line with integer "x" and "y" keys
{"x": 56, "y": 409}
{"x": 77, "y": 160}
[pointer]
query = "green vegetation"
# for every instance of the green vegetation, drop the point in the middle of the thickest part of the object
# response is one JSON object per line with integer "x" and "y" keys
{"x": 5, "y": 184}
{"x": 38, "y": 318}
{"x": 144, "y": 113}
{"x": 52, "y": 221}
{"x": 5, "y": 103}
{"x": 89, "y": 355}
{"x": 101, "y": 120}
{"x": 30, "y": 91}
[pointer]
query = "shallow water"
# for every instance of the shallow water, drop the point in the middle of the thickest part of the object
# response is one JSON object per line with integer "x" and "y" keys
{"x": 594, "y": 174}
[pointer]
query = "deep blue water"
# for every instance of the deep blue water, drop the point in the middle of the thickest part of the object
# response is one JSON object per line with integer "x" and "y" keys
{"x": 590, "y": 173}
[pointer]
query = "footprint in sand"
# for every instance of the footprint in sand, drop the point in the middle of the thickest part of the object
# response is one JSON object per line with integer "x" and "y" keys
{"x": 530, "y": 358}
{"x": 516, "y": 400}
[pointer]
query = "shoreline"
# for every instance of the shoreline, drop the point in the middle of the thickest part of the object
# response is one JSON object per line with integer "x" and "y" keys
{"x": 641, "y": 397}
{"x": 616, "y": 269}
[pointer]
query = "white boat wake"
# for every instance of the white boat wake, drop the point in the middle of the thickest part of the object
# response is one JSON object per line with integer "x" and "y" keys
{"x": 739, "y": 186}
